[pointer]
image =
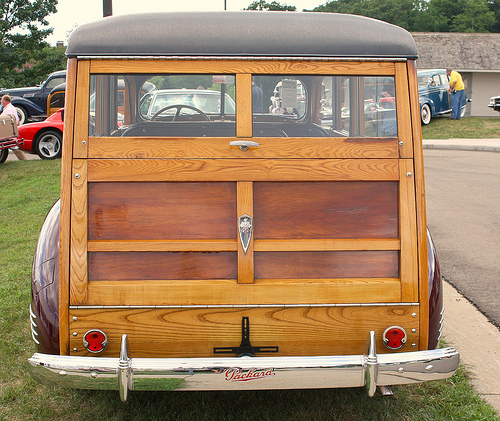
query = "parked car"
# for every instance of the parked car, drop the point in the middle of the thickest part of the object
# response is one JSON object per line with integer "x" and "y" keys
{"x": 193, "y": 249}
{"x": 495, "y": 103}
{"x": 31, "y": 103}
{"x": 43, "y": 138}
{"x": 433, "y": 94}
{"x": 176, "y": 103}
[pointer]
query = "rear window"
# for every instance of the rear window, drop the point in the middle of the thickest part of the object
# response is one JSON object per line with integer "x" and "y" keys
{"x": 205, "y": 106}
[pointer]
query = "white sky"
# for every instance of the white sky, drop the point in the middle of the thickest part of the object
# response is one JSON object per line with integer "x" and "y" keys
{"x": 71, "y": 13}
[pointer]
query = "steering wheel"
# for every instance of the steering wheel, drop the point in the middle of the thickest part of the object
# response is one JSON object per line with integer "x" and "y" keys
{"x": 179, "y": 108}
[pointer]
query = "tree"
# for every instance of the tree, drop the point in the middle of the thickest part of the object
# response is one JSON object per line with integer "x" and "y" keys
{"x": 274, "y": 5}
{"x": 425, "y": 15}
{"x": 23, "y": 30}
{"x": 398, "y": 12}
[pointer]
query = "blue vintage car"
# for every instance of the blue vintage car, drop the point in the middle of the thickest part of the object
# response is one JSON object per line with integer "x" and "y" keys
{"x": 433, "y": 94}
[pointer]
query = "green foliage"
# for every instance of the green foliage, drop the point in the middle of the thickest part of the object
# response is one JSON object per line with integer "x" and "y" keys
{"x": 23, "y": 29}
{"x": 424, "y": 15}
{"x": 274, "y": 5}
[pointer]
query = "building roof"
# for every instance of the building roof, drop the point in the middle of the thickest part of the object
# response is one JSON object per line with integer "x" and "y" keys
{"x": 460, "y": 51}
{"x": 244, "y": 34}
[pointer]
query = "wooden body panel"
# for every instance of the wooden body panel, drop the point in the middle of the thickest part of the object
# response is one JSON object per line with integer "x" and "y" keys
{"x": 195, "y": 332}
{"x": 154, "y": 222}
{"x": 230, "y": 292}
{"x": 206, "y": 148}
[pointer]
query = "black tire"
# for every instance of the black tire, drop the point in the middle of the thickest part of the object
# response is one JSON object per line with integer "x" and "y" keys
{"x": 426, "y": 114}
{"x": 22, "y": 114}
{"x": 48, "y": 145}
{"x": 4, "y": 153}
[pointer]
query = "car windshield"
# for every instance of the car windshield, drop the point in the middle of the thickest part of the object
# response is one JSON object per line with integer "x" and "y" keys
{"x": 169, "y": 101}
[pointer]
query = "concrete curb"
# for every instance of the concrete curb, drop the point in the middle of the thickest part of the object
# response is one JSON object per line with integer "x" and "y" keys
{"x": 484, "y": 145}
{"x": 478, "y": 342}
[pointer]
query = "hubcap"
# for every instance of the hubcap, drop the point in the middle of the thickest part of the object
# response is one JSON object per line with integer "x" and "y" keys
{"x": 49, "y": 146}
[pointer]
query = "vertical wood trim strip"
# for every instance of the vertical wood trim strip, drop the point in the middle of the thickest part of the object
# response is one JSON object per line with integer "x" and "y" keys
{"x": 244, "y": 105}
{"x": 408, "y": 232}
{"x": 403, "y": 111}
{"x": 78, "y": 255}
{"x": 65, "y": 213}
{"x": 245, "y": 206}
{"x": 81, "y": 133}
{"x": 420, "y": 205}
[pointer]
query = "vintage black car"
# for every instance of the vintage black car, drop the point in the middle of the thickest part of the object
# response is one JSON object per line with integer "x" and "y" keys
{"x": 31, "y": 103}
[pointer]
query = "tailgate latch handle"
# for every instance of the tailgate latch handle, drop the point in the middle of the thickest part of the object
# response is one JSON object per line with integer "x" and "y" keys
{"x": 244, "y": 144}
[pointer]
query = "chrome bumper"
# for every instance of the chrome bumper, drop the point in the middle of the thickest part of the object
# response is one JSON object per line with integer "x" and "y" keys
{"x": 244, "y": 373}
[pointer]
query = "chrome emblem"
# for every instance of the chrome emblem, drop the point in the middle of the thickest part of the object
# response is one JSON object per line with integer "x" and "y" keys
{"x": 239, "y": 375}
{"x": 245, "y": 225}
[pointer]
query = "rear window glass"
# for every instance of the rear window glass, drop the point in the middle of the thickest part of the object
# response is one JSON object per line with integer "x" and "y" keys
{"x": 162, "y": 105}
{"x": 322, "y": 106}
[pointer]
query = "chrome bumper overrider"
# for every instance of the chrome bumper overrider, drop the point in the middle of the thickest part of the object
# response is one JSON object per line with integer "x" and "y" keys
{"x": 244, "y": 373}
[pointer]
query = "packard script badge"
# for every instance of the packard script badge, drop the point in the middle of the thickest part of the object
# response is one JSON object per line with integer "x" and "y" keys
{"x": 245, "y": 224}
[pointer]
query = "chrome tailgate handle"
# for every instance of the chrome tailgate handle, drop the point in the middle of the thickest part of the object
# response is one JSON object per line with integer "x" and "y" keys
{"x": 244, "y": 144}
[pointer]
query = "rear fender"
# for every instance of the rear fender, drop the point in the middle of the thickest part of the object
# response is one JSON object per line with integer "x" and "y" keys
{"x": 44, "y": 311}
{"x": 436, "y": 306}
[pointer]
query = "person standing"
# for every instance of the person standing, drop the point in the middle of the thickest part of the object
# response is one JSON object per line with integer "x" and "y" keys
{"x": 456, "y": 91}
{"x": 8, "y": 108}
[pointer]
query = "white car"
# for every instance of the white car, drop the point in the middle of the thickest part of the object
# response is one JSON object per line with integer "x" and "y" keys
{"x": 176, "y": 103}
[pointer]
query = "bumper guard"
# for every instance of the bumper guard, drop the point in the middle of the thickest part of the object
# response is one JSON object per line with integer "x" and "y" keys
{"x": 244, "y": 373}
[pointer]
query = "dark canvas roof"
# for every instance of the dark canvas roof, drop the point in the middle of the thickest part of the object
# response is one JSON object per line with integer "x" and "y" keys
{"x": 246, "y": 33}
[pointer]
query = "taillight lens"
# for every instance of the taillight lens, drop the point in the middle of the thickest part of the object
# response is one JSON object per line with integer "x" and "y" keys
{"x": 95, "y": 341}
{"x": 394, "y": 337}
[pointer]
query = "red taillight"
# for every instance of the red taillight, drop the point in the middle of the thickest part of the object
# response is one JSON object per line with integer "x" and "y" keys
{"x": 394, "y": 337}
{"x": 95, "y": 340}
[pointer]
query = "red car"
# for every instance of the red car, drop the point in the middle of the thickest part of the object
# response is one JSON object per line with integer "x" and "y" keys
{"x": 43, "y": 138}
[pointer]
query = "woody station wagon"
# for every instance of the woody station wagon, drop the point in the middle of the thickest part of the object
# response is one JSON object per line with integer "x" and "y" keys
{"x": 281, "y": 243}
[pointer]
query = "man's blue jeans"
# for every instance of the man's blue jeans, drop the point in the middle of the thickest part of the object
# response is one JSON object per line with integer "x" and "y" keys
{"x": 456, "y": 99}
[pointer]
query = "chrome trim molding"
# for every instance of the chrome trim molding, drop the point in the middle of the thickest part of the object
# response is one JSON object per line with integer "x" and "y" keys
{"x": 33, "y": 327}
{"x": 240, "y": 306}
{"x": 244, "y": 373}
{"x": 245, "y": 58}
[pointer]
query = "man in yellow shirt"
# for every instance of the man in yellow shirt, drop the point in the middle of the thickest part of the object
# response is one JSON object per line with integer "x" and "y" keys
{"x": 457, "y": 92}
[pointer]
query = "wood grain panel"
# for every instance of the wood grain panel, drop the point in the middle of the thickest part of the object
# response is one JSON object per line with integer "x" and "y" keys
{"x": 229, "y": 292}
{"x": 141, "y": 148}
{"x": 162, "y": 245}
{"x": 129, "y": 266}
{"x": 420, "y": 203}
{"x": 326, "y": 210}
{"x": 79, "y": 233}
{"x": 245, "y": 260}
{"x": 162, "y": 211}
{"x": 65, "y": 215}
{"x": 195, "y": 332}
{"x": 239, "y": 170}
{"x": 187, "y": 66}
{"x": 403, "y": 111}
{"x": 244, "y": 105}
{"x": 317, "y": 265}
{"x": 327, "y": 245}
{"x": 81, "y": 133}
{"x": 408, "y": 232}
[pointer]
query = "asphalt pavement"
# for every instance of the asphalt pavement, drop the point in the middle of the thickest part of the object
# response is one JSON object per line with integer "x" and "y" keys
{"x": 465, "y": 327}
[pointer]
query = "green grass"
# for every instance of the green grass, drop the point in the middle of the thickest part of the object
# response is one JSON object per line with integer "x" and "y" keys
{"x": 467, "y": 127}
{"x": 27, "y": 191}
